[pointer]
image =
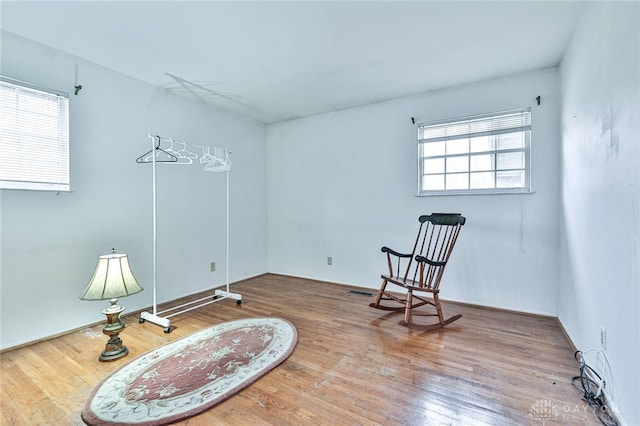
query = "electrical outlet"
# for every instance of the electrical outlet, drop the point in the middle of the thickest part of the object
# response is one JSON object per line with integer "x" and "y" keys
{"x": 603, "y": 338}
{"x": 213, "y": 266}
{"x": 329, "y": 260}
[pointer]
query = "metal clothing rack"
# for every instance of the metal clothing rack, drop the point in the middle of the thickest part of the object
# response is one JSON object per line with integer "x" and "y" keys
{"x": 219, "y": 161}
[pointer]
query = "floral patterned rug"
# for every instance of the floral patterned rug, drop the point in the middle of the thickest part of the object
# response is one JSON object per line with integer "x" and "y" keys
{"x": 192, "y": 374}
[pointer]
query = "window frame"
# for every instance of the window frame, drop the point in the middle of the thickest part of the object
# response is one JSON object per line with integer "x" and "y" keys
{"x": 30, "y": 172}
{"x": 526, "y": 150}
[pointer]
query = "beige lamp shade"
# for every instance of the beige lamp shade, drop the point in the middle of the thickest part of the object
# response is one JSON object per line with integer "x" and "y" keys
{"x": 112, "y": 279}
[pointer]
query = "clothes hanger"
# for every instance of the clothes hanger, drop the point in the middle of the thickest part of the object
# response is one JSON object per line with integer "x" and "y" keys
{"x": 144, "y": 158}
{"x": 184, "y": 152}
{"x": 218, "y": 162}
{"x": 206, "y": 155}
{"x": 184, "y": 156}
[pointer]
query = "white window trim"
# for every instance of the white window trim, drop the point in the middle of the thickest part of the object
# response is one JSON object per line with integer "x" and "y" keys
{"x": 527, "y": 189}
{"x": 30, "y": 172}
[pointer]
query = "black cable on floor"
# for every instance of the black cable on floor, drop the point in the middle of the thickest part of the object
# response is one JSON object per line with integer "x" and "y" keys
{"x": 591, "y": 385}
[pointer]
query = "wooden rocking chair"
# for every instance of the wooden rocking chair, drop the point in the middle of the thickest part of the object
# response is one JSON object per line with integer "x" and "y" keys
{"x": 425, "y": 265}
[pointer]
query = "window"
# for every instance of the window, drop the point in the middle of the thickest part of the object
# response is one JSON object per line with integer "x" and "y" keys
{"x": 483, "y": 154}
{"x": 34, "y": 137}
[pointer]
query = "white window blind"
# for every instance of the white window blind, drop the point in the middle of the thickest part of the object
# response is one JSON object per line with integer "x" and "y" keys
{"x": 34, "y": 137}
{"x": 481, "y": 154}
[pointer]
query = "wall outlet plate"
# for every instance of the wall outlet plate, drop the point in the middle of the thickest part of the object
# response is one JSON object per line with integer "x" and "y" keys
{"x": 213, "y": 266}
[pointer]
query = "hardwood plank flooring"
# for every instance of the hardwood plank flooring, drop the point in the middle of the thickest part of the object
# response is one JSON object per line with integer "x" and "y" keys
{"x": 353, "y": 365}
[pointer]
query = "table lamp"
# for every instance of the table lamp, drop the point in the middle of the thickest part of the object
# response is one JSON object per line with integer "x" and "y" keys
{"x": 112, "y": 279}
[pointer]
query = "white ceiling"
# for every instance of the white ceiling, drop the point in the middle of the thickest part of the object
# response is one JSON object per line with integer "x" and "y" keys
{"x": 276, "y": 61}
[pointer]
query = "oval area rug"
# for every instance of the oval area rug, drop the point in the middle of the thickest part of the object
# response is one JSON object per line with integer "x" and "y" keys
{"x": 192, "y": 374}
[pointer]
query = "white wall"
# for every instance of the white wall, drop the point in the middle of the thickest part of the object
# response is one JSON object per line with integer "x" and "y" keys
{"x": 600, "y": 240}
{"x": 343, "y": 184}
{"x": 50, "y": 242}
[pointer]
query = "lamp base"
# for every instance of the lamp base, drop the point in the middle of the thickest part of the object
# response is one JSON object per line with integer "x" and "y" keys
{"x": 112, "y": 355}
{"x": 114, "y": 349}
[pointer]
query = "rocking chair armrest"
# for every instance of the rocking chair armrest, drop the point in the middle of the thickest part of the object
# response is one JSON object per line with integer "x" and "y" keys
{"x": 395, "y": 253}
{"x": 429, "y": 261}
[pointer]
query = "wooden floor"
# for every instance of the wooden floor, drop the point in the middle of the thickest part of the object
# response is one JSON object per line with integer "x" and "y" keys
{"x": 353, "y": 365}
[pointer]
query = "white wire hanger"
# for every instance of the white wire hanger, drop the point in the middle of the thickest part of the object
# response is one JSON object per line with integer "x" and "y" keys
{"x": 183, "y": 152}
{"x": 219, "y": 161}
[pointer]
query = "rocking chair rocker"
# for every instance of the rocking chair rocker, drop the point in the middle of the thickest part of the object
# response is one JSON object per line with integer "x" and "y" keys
{"x": 425, "y": 266}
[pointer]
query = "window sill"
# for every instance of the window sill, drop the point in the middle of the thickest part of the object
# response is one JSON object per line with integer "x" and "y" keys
{"x": 475, "y": 192}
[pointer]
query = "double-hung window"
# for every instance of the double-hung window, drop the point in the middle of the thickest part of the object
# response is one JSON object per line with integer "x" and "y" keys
{"x": 483, "y": 154}
{"x": 34, "y": 137}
